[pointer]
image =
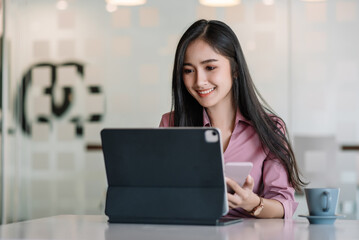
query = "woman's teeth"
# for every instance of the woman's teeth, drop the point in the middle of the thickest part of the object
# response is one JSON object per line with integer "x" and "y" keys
{"x": 205, "y": 92}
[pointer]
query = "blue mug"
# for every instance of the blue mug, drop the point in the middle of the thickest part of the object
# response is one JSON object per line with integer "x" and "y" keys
{"x": 322, "y": 201}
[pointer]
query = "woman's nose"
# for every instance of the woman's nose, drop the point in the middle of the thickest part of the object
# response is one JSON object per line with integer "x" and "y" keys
{"x": 201, "y": 78}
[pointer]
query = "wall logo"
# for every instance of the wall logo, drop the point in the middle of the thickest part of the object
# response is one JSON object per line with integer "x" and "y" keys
{"x": 66, "y": 89}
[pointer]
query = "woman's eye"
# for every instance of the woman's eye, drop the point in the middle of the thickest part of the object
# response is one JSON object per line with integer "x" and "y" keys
{"x": 210, "y": 68}
{"x": 187, "y": 71}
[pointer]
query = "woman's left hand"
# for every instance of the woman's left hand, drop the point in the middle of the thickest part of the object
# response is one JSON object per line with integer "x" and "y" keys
{"x": 243, "y": 197}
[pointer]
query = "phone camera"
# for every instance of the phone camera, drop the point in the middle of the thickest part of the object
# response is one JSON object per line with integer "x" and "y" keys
{"x": 214, "y": 133}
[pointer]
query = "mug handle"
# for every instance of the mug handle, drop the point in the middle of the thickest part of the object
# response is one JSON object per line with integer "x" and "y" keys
{"x": 325, "y": 200}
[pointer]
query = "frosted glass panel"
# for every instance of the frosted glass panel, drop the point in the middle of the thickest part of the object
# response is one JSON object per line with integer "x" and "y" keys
{"x": 346, "y": 11}
{"x": 75, "y": 71}
{"x": 149, "y": 17}
{"x": 122, "y": 18}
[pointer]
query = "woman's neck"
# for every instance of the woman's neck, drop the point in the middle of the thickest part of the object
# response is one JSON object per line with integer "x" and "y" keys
{"x": 222, "y": 117}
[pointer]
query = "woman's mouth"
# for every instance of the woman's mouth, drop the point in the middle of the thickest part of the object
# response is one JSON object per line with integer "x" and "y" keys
{"x": 206, "y": 92}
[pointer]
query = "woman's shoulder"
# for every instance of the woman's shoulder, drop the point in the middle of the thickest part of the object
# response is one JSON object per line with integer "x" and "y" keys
{"x": 167, "y": 120}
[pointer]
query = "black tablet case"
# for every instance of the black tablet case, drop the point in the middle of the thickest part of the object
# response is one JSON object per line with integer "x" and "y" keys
{"x": 164, "y": 175}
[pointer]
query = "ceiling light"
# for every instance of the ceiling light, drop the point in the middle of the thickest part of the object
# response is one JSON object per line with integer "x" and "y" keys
{"x": 219, "y": 3}
{"x": 126, "y": 2}
{"x": 268, "y": 2}
{"x": 61, "y": 5}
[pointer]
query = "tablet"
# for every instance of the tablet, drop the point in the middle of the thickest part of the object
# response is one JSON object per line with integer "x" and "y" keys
{"x": 238, "y": 171}
{"x": 149, "y": 171}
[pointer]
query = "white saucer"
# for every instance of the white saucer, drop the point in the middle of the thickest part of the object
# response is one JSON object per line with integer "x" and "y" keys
{"x": 322, "y": 219}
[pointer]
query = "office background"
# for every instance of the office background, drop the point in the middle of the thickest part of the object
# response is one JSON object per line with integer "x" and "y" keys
{"x": 71, "y": 68}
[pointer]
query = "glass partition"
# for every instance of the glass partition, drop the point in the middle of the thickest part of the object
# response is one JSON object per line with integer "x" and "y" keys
{"x": 74, "y": 67}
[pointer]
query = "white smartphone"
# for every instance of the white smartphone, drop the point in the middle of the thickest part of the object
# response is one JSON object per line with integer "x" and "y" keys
{"x": 238, "y": 171}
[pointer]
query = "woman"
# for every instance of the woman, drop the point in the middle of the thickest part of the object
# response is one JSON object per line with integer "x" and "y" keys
{"x": 211, "y": 86}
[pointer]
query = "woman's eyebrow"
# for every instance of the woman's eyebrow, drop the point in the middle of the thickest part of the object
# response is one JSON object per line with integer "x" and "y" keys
{"x": 203, "y": 62}
{"x": 209, "y": 60}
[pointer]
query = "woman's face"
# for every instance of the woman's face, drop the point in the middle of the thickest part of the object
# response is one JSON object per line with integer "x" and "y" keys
{"x": 207, "y": 75}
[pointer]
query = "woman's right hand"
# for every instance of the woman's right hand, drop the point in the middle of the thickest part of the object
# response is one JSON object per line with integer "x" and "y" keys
{"x": 242, "y": 197}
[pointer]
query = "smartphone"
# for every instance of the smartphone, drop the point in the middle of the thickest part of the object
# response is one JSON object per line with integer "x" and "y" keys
{"x": 238, "y": 171}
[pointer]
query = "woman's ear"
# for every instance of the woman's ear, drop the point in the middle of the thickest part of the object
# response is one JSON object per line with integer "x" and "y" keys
{"x": 235, "y": 75}
{"x": 234, "y": 71}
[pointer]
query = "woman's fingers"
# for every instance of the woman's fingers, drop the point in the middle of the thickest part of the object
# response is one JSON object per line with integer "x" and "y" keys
{"x": 249, "y": 183}
{"x": 234, "y": 201}
{"x": 235, "y": 187}
{"x": 241, "y": 196}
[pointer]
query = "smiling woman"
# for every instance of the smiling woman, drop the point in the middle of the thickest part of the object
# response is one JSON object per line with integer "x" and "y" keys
{"x": 212, "y": 87}
{"x": 207, "y": 76}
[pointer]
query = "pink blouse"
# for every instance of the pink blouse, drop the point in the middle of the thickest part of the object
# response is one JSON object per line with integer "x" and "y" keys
{"x": 245, "y": 146}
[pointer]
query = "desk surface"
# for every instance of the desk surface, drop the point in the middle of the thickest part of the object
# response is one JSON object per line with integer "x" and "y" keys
{"x": 96, "y": 227}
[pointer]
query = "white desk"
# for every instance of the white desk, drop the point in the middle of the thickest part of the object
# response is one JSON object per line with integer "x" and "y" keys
{"x": 95, "y": 227}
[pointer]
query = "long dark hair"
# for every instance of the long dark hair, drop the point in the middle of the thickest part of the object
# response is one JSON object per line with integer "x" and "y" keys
{"x": 188, "y": 112}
